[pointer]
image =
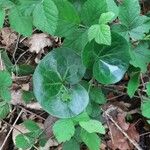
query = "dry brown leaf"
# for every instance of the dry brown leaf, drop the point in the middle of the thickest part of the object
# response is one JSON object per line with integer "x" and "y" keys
{"x": 9, "y": 38}
{"x": 39, "y": 41}
{"x": 118, "y": 140}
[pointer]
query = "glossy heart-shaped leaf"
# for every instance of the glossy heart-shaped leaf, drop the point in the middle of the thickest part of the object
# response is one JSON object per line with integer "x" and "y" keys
{"x": 56, "y": 83}
{"x": 109, "y": 62}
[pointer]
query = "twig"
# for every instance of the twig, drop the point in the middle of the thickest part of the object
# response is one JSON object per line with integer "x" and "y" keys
{"x": 106, "y": 113}
{"x": 2, "y": 146}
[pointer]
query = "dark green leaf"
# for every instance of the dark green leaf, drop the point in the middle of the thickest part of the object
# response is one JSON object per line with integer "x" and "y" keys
{"x": 31, "y": 125}
{"x": 71, "y": 145}
{"x": 27, "y": 96}
{"x": 2, "y": 17}
{"x": 92, "y": 10}
{"x": 54, "y": 81}
{"x": 110, "y": 62}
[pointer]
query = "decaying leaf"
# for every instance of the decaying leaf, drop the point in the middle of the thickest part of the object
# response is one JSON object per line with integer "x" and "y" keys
{"x": 118, "y": 140}
{"x": 8, "y": 38}
{"x": 39, "y": 41}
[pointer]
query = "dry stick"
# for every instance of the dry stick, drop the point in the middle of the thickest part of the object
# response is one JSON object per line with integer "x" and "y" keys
{"x": 2, "y": 146}
{"x": 121, "y": 130}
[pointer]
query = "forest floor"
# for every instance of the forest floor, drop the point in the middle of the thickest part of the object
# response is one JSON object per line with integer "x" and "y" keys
{"x": 127, "y": 128}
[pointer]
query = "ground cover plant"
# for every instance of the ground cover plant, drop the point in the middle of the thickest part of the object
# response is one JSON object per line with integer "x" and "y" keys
{"x": 81, "y": 70}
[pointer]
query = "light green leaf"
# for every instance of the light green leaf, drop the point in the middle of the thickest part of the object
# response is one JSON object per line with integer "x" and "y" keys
{"x": 31, "y": 125}
{"x": 4, "y": 109}
{"x": 63, "y": 125}
{"x": 109, "y": 62}
{"x": 71, "y": 145}
{"x": 106, "y": 17}
{"x": 20, "y": 23}
{"x": 92, "y": 10}
{"x": 5, "y": 79}
{"x": 82, "y": 117}
{"x": 5, "y": 94}
{"x": 56, "y": 83}
{"x": 45, "y": 16}
{"x": 133, "y": 84}
{"x": 148, "y": 88}
{"x": 25, "y": 141}
{"x": 140, "y": 56}
{"x": 92, "y": 126}
{"x": 145, "y": 107}
{"x": 2, "y": 17}
{"x": 92, "y": 140}
{"x": 101, "y": 34}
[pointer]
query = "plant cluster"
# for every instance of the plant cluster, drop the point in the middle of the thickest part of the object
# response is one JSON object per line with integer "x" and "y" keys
{"x": 103, "y": 39}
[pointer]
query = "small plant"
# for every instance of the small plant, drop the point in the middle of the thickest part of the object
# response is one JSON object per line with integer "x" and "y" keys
{"x": 103, "y": 40}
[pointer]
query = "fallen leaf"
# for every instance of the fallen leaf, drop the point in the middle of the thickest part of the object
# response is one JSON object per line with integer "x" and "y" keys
{"x": 39, "y": 41}
{"x": 9, "y": 38}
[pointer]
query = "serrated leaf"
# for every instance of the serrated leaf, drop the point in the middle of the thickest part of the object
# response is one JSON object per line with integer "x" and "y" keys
{"x": 109, "y": 62}
{"x": 145, "y": 108}
{"x": 31, "y": 125}
{"x": 57, "y": 76}
{"x": 91, "y": 7}
{"x": 140, "y": 56}
{"x": 71, "y": 145}
{"x": 92, "y": 140}
{"x": 20, "y": 23}
{"x": 45, "y": 16}
{"x": 63, "y": 125}
{"x": 106, "y": 17}
{"x": 4, "y": 109}
{"x": 133, "y": 84}
{"x": 92, "y": 126}
{"x": 132, "y": 23}
{"x": 101, "y": 34}
{"x": 2, "y": 17}
{"x": 68, "y": 18}
{"x": 77, "y": 40}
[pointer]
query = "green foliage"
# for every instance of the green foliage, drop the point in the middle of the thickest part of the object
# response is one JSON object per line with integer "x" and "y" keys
{"x": 5, "y": 83}
{"x": 27, "y": 96}
{"x": 92, "y": 126}
{"x": 101, "y": 40}
{"x": 63, "y": 125}
{"x": 132, "y": 23}
{"x": 28, "y": 139}
{"x": 56, "y": 83}
{"x": 92, "y": 140}
{"x": 71, "y": 145}
{"x": 109, "y": 62}
{"x": 145, "y": 108}
{"x": 133, "y": 84}
{"x": 4, "y": 109}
